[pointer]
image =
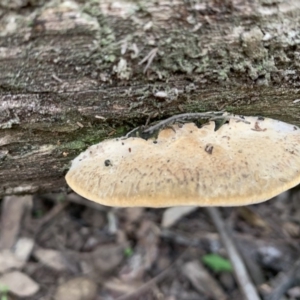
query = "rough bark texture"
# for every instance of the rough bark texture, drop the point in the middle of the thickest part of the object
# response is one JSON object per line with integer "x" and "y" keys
{"x": 74, "y": 73}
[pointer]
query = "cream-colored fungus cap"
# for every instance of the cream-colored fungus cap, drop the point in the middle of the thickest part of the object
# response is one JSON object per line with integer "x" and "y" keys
{"x": 243, "y": 162}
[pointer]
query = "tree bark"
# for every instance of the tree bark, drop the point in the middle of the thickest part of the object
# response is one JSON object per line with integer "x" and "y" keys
{"x": 75, "y": 73}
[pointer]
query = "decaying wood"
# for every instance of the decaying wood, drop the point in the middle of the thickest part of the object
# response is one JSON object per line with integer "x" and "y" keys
{"x": 74, "y": 73}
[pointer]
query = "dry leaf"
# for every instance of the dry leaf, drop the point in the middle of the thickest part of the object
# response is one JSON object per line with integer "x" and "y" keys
{"x": 23, "y": 248}
{"x": 104, "y": 259}
{"x": 77, "y": 289}
{"x": 8, "y": 260}
{"x": 121, "y": 287}
{"x": 145, "y": 253}
{"x": 252, "y": 218}
{"x": 174, "y": 214}
{"x": 202, "y": 281}
{"x": 148, "y": 235}
{"x": 13, "y": 208}
{"x": 51, "y": 258}
{"x": 134, "y": 214}
{"x": 292, "y": 229}
{"x": 19, "y": 284}
{"x": 294, "y": 292}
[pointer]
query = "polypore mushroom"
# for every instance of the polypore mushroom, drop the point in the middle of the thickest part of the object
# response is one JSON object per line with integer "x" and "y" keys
{"x": 247, "y": 160}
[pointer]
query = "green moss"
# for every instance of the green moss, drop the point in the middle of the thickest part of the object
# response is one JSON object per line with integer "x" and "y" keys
{"x": 120, "y": 131}
{"x": 229, "y": 108}
{"x": 75, "y": 145}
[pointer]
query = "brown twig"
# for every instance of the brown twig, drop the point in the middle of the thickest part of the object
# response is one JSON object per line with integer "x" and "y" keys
{"x": 49, "y": 217}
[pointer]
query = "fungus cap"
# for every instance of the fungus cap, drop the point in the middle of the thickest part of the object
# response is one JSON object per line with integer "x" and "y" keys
{"x": 245, "y": 161}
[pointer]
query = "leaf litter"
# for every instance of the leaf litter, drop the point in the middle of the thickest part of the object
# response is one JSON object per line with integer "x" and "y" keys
{"x": 142, "y": 258}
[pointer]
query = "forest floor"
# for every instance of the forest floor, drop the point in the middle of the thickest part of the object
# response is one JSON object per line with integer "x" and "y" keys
{"x": 67, "y": 248}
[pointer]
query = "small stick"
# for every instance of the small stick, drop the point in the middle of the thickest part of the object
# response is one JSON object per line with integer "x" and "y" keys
{"x": 181, "y": 117}
{"x": 212, "y": 116}
{"x": 166, "y": 122}
{"x": 141, "y": 291}
{"x": 149, "y": 58}
{"x": 241, "y": 274}
{"x": 131, "y": 132}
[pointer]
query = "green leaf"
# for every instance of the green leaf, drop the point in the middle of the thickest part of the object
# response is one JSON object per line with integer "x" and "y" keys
{"x": 3, "y": 292}
{"x": 128, "y": 252}
{"x": 217, "y": 263}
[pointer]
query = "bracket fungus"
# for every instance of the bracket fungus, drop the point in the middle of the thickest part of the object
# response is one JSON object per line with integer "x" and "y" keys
{"x": 246, "y": 160}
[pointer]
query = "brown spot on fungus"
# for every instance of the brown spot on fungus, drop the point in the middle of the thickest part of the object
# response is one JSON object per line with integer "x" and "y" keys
{"x": 107, "y": 163}
{"x": 229, "y": 177}
{"x": 257, "y": 128}
{"x": 209, "y": 148}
